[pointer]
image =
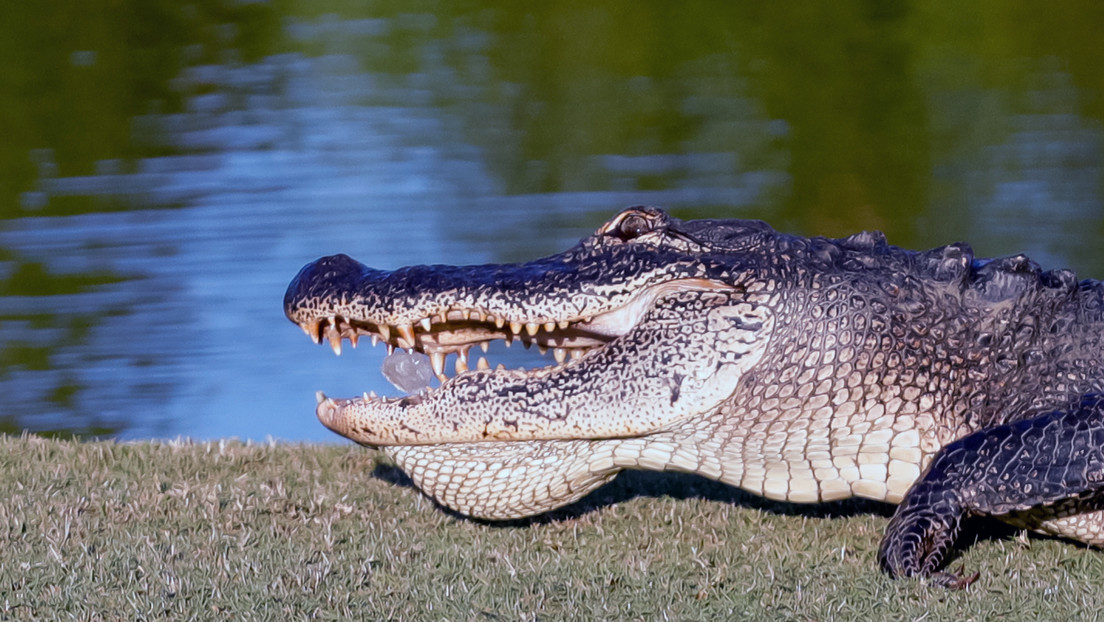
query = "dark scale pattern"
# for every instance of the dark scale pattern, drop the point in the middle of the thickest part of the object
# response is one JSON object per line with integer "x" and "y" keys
{"x": 850, "y": 368}
{"x": 1045, "y": 467}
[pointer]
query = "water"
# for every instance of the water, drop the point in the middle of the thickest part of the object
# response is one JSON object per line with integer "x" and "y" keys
{"x": 165, "y": 172}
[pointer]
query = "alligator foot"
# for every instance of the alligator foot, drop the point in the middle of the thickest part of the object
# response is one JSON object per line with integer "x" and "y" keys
{"x": 1041, "y": 468}
{"x": 954, "y": 580}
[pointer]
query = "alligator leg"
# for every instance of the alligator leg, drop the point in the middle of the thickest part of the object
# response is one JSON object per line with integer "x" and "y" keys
{"x": 1047, "y": 467}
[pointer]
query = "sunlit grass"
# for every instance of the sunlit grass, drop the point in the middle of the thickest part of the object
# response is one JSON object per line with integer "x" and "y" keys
{"x": 232, "y": 531}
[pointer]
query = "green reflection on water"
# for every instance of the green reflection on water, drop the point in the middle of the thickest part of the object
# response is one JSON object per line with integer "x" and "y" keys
{"x": 904, "y": 117}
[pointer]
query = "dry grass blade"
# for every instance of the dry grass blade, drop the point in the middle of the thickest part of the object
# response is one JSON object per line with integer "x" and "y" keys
{"x": 231, "y": 531}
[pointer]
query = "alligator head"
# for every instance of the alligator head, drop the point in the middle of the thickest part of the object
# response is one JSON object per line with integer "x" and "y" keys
{"x": 652, "y": 321}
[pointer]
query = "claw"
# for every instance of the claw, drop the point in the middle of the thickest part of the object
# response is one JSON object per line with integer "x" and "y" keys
{"x": 955, "y": 580}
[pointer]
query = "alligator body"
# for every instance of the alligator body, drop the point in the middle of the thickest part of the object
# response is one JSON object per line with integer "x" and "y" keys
{"x": 800, "y": 369}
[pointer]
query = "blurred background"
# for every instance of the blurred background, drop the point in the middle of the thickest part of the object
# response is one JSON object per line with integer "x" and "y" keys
{"x": 166, "y": 167}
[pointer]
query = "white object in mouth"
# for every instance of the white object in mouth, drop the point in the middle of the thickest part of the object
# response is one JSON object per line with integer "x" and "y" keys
{"x": 408, "y": 372}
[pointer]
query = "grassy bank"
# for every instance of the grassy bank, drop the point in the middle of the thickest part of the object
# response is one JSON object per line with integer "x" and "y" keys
{"x": 231, "y": 531}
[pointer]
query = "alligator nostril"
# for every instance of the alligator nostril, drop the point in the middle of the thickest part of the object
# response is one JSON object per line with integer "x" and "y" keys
{"x": 322, "y": 279}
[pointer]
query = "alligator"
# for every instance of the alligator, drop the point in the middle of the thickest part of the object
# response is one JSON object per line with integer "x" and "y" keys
{"x": 800, "y": 369}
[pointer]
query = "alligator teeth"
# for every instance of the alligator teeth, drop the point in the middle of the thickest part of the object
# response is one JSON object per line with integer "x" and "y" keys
{"x": 484, "y": 345}
{"x": 482, "y": 363}
{"x": 354, "y": 338}
{"x": 461, "y": 365}
{"x": 375, "y": 339}
{"x": 311, "y": 329}
{"x": 549, "y": 326}
{"x": 560, "y": 354}
{"x": 499, "y": 322}
{"x": 437, "y": 361}
{"x": 406, "y": 332}
{"x": 426, "y": 324}
{"x": 515, "y": 327}
{"x": 563, "y": 324}
{"x": 319, "y": 397}
{"x": 465, "y": 314}
{"x": 532, "y": 328}
{"x": 385, "y": 332}
{"x": 577, "y": 353}
{"x": 335, "y": 341}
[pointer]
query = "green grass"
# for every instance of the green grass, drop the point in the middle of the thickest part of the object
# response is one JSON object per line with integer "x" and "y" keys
{"x": 110, "y": 531}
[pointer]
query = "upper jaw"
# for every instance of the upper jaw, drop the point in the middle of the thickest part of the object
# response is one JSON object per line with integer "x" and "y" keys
{"x": 551, "y": 302}
{"x": 441, "y": 325}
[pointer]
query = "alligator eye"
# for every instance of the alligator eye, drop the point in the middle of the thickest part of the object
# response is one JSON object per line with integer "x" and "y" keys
{"x": 634, "y": 226}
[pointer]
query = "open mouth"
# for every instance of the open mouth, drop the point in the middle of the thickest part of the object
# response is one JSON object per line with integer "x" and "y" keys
{"x": 452, "y": 333}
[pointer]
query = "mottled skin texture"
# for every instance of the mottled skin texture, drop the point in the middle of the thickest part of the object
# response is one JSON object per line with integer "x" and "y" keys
{"x": 801, "y": 369}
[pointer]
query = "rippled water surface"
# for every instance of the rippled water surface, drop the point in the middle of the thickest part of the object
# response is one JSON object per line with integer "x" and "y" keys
{"x": 168, "y": 167}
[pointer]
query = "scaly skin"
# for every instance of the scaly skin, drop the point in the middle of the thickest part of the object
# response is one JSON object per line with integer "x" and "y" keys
{"x": 799, "y": 369}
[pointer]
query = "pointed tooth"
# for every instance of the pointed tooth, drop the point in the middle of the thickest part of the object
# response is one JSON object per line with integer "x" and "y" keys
{"x": 484, "y": 345}
{"x": 427, "y": 324}
{"x": 515, "y": 327}
{"x": 509, "y": 339}
{"x": 563, "y": 324}
{"x": 482, "y": 363}
{"x": 319, "y": 397}
{"x": 461, "y": 365}
{"x": 335, "y": 342}
{"x": 499, "y": 322}
{"x": 500, "y": 367}
{"x": 532, "y": 328}
{"x": 372, "y": 394}
{"x": 543, "y": 350}
{"x": 442, "y": 317}
{"x": 465, "y": 314}
{"x": 577, "y": 353}
{"x": 442, "y": 378}
{"x": 560, "y": 354}
{"x": 311, "y": 329}
{"x": 406, "y": 331}
{"x": 375, "y": 340}
{"x": 549, "y": 326}
{"x": 390, "y": 349}
{"x": 437, "y": 360}
{"x": 385, "y": 332}
{"x": 463, "y": 354}
{"x": 354, "y": 338}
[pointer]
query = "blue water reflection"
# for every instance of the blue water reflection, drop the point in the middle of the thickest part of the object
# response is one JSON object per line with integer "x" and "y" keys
{"x": 143, "y": 295}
